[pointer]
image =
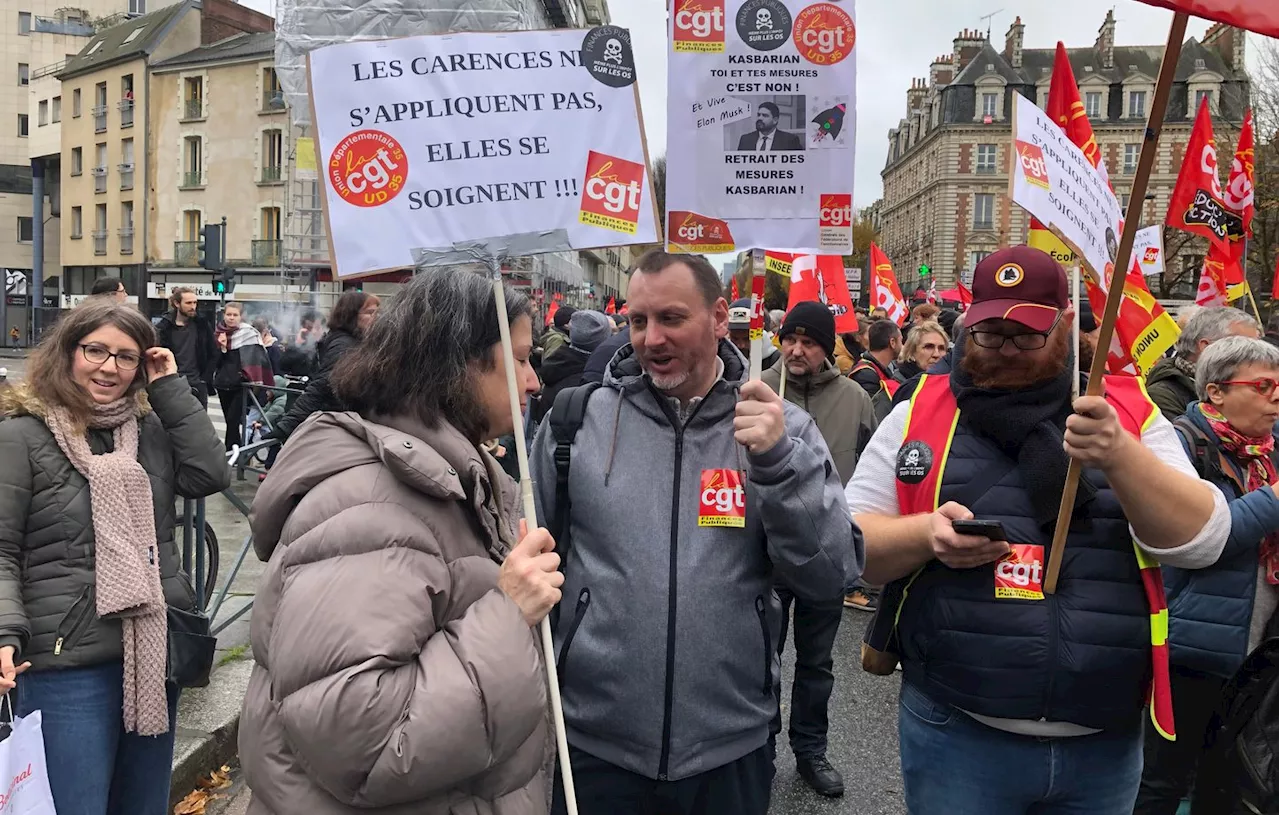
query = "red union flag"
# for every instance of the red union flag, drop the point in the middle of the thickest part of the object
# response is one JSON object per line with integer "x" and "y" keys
{"x": 1213, "y": 289}
{"x": 885, "y": 293}
{"x": 1259, "y": 16}
{"x": 1239, "y": 191}
{"x": 1197, "y": 204}
{"x": 821, "y": 278}
{"x": 1065, "y": 108}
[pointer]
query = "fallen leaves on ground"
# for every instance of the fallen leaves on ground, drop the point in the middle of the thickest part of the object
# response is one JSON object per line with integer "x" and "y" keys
{"x": 206, "y": 791}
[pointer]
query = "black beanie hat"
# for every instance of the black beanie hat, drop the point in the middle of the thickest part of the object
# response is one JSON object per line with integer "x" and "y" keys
{"x": 561, "y": 319}
{"x": 813, "y": 320}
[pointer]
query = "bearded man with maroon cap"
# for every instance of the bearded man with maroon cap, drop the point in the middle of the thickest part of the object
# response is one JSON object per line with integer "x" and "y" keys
{"x": 1014, "y": 700}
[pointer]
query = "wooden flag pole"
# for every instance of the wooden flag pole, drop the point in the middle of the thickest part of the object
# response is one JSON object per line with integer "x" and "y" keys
{"x": 1115, "y": 287}
{"x": 1075, "y": 331}
{"x": 531, "y": 517}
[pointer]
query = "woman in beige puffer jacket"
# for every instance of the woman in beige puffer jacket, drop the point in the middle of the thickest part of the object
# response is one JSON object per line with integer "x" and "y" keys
{"x": 398, "y": 668}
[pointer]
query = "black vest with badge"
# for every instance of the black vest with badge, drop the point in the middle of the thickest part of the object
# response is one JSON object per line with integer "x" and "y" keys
{"x": 989, "y": 641}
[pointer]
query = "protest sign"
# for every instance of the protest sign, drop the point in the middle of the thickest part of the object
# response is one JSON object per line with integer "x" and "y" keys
{"x": 428, "y": 142}
{"x": 1053, "y": 180}
{"x": 1148, "y": 251}
{"x": 760, "y": 125}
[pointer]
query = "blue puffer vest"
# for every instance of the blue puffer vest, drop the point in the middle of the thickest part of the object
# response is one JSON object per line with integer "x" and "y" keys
{"x": 1082, "y": 655}
{"x": 1210, "y": 609}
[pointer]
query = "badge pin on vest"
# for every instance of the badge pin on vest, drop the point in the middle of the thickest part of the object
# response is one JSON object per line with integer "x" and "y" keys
{"x": 1019, "y": 575}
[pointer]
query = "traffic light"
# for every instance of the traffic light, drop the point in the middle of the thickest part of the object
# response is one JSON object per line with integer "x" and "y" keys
{"x": 209, "y": 249}
{"x": 225, "y": 282}
{"x": 925, "y": 271}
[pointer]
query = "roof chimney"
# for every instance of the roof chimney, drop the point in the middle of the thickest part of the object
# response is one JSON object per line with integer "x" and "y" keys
{"x": 1013, "y": 43}
{"x": 1106, "y": 42}
{"x": 965, "y": 47}
{"x": 1228, "y": 43}
{"x": 941, "y": 71}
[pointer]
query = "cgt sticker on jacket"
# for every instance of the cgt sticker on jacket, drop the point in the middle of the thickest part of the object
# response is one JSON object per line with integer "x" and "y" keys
{"x": 721, "y": 499}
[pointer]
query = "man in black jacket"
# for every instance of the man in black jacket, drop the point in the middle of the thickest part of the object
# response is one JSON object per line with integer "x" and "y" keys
{"x": 190, "y": 337}
{"x": 767, "y": 136}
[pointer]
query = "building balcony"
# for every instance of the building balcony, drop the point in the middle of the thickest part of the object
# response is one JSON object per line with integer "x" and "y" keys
{"x": 271, "y": 175}
{"x": 99, "y": 179}
{"x": 100, "y": 241}
{"x": 126, "y": 241}
{"x": 68, "y": 28}
{"x": 192, "y": 109}
{"x": 273, "y": 101}
{"x": 191, "y": 180}
{"x": 186, "y": 253}
{"x": 126, "y": 113}
{"x": 267, "y": 253}
{"x": 100, "y": 119}
{"x": 126, "y": 176}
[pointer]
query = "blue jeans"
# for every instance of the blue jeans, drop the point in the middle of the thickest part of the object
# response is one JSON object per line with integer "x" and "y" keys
{"x": 95, "y": 768}
{"x": 954, "y": 765}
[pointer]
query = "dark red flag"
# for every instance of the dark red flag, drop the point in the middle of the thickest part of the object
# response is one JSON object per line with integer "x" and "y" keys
{"x": 1260, "y": 16}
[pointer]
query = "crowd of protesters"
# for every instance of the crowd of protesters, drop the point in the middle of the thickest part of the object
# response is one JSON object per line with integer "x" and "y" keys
{"x": 691, "y": 518}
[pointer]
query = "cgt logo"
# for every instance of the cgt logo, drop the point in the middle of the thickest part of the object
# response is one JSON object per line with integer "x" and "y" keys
{"x": 698, "y": 26}
{"x": 824, "y": 34}
{"x": 611, "y": 193}
{"x": 836, "y": 210}
{"x": 1150, "y": 256}
{"x": 1034, "y": 167}
{"x": 368, "y": 168}
{"x": 721, "y": 499}
{"x": 691, "y": 232}
{"x": 1020, "y": 574}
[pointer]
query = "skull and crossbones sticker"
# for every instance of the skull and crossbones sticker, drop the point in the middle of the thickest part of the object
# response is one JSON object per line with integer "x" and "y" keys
{"x": 606, "y": 54}
{"x": 764, "y": 24}
{"x": 915, "y": 460}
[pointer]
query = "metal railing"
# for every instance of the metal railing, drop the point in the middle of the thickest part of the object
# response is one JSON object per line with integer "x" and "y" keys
{"x": 186, "y": 253}
{"x": 270, "y": 175}
{"x": 48, "y": 69}
{"x": 100, "y": 241}
{"x": 191, "y": 179}
{"x": 126, "y": 113}
{"x": 126, "y": 176}
{"x": 99, "y": 118}
{"x": 193, "y": 109}
{"x": 266, "y": 253}
{"x": 272, "y": 101}
{"x": 126, "y": 241}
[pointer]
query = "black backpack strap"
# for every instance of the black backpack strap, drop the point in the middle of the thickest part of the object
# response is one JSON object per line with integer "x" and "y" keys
{"x": 1201, "y": 457}
{"x": 566, "y": 417}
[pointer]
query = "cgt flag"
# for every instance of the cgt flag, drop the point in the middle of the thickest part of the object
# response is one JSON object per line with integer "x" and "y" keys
{"x": 1197, "y": 204}
{"x": 1259, "y": 16}
{"x": 885, "y": 293}
{"x": 1213, "y": 288}
{"x": 821, "y": 278}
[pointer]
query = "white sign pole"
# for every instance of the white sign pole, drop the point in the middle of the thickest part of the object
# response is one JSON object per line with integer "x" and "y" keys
{"x": 1075, "y": 331}
{"x": 531, "y": 517}
{"x": 782, "y": 385}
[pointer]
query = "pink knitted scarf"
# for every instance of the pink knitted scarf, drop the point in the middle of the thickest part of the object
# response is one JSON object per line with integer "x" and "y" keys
{"x": 126, "y": 555}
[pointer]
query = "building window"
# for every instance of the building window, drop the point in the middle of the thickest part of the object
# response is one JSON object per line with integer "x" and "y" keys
{"x": 126, "y": 100}
{"x": 24, "y": 22}
{"x": 272, "y": 155}
{"x": 75, "y": 103}
{"x": 1205, "y": 97}
{"x": 984, "y": 206}
{"x": 100, "y": 168}
{"x": 191, "y": 225}
{"x": 1124, "y": 202}
{"x": 100, "y": 230}
{"x": 24, "y": 73}
{"x": 126, "y": 228}
{"x": 193, "y": 97}
{"x": 25, "y": 232}
{"x": 77, "y": 223}
{"x": 1138, "y": 104}
{"x": 42, "y": 117}
{"x": 22, "y": 125}
{"x": 272, "y": 93}
{"x": 986, "y": 158}
{"x": 56, "y": 109}
{"x": 126, "y": 164}
{"x": 974, "y": 259}
{"x": 990, "y": 102}
{"x": 77, "y": 160}
{"x": 1093, "y": 104}
{"x": 271, "y": 223}
{"x": 100, "y": 108}
{"x": 193, "y": 161}
{"x": 1131, "y": 152}
{"x": 137, "y": 6}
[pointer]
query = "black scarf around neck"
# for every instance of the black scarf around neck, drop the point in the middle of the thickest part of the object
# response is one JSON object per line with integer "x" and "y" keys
{"x": 1027, "y": 425}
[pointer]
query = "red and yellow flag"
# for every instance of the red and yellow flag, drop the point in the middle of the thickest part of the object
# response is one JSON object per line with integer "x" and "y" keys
{"x": 885, "y": 293}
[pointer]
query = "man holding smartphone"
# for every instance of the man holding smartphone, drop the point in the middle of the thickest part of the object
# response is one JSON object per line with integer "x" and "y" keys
{"x": 1014, "y": 700}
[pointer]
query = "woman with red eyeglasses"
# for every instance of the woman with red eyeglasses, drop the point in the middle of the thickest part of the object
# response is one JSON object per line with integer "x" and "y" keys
{"x": 1221, "y": 612}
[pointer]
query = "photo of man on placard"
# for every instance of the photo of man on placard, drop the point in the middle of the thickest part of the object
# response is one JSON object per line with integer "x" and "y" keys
{"x": 766, "y": 132}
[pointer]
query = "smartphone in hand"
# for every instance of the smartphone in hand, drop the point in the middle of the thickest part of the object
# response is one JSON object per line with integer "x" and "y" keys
{"x": 991, "y": 530}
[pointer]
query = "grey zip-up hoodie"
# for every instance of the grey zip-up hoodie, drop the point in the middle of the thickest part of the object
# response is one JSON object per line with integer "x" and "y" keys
{"x": 666, "y": 634}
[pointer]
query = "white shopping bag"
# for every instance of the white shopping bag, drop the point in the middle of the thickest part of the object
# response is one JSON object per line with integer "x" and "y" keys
{"x": 24, "y": 776}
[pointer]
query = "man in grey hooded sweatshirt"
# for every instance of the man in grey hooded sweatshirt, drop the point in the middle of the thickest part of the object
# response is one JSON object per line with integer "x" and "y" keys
{"x": 690, "y": 489}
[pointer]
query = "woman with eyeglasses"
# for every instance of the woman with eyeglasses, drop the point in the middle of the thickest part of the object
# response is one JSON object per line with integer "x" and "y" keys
{"x": 926, "y": 343}
{"x": 94, "y": 445}
{"x": 1220, "y": 613}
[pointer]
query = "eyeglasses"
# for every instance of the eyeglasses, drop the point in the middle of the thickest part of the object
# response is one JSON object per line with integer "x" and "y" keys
{"x": 1264, "y": 387}
{"x": 1028, "y": 341}
{"x": 96, "y": 354}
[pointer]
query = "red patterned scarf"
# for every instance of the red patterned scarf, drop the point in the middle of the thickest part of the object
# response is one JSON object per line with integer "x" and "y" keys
{"x": 1254, "y": 455}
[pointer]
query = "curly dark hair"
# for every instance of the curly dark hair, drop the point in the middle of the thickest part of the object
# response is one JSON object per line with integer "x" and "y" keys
{"x": 417, "y": 358}
{"x": 346, "y": 312}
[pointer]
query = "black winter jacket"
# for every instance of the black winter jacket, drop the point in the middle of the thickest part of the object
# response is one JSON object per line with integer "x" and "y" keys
{"x": 206, "y": 345}
{"x": 318, "y": 395}
{"x": 47, "y": 578}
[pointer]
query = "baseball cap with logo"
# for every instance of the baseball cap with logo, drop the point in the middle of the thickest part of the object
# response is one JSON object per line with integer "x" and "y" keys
{"x": 740, "y": 314}
{"x": 1021, "y": 284}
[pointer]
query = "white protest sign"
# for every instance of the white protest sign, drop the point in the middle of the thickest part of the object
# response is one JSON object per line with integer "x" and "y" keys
{"x": 426, "y": 142}
{"x": 1148, "y": 250}
{"x": 760, "y": 125}
{"x": 1052, "y": 179}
